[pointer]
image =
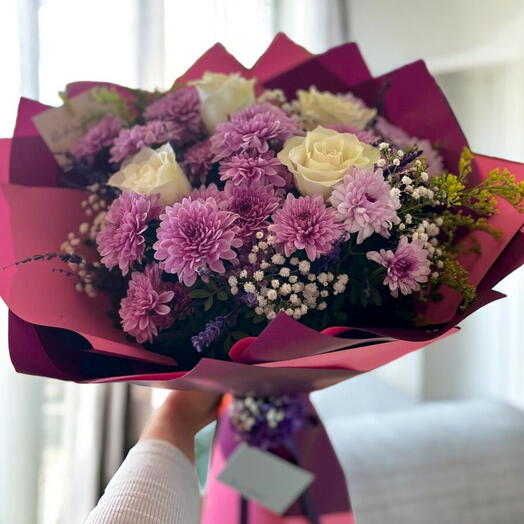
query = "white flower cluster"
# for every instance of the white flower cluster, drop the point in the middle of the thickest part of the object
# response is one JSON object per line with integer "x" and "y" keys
{"x": 389, "y": 157}
{"x": 244, "y": 412}
{"x": 285, "y": 284}
{"x": 95, "y": 209}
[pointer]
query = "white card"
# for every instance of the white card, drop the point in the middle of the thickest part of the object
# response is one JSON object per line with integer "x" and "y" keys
{"x": 62, "y": 127}
{"x": 265, "y": 478}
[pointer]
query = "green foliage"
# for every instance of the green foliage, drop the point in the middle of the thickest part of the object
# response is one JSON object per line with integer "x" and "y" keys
{"x": 119, "y": 105}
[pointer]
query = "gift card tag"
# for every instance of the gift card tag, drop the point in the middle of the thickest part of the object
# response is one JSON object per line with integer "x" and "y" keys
{"x": 62, "y": 127}
{"x": 265, "y": 478}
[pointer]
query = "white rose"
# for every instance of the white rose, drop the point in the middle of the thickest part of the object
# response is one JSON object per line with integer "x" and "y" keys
{"x": 153, "y": 171}
{"x": 221, "y": 95}
{"x": 320, "y": 160}
{"x": 327, "y": 109}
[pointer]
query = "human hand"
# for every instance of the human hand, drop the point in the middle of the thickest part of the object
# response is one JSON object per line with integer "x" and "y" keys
{"x": 180, "y": 417}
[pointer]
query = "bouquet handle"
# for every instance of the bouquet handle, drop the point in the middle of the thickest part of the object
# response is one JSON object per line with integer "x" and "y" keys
{"x": 311, "y": 449}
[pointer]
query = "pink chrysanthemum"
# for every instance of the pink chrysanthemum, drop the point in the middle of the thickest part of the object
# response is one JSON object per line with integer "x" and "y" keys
{"x": 195, "y": 236}
{"x": 407, "y": 267}
{"x": 198, "y": 161}
{"x": 253, "y": 204}
{"x": 131, "y": 140}
{"x": 122, "y": 242}
{"x": 182, "y": 108}
{"x": 145, "y": 310}
{"x": 363, "y": 201}
{"x": 246, "y": 168}
{"x": 210, "y": 191}
{"x": 98, "y": 137}
{"x": 305, "y": 223}
{"x": 252, "y": 129}
{"x": 398, "y": 137}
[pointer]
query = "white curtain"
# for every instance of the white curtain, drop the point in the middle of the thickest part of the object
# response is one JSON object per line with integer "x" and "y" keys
{"x": 51, "y": 433}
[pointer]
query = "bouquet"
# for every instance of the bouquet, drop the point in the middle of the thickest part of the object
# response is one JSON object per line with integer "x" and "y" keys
{"x": 224, "y": 234}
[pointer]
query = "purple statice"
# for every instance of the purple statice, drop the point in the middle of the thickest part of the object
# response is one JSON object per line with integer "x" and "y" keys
{"x": 327, "y": 261}
{"x": 365, "y": 204}
{"x": 145, "y": 309}
{"x": 131, "y": 140}
{"x": 252, "y": 129}
{"x": 182, "y": 108}
{"x": 121, "y": 242}
{"x": 210, "y": 333}
{"x": 267, "y": 422}
{"x": 262, "y": 168}
{"x": 305, "y": 223}
{"x": 195, "y": 235}
{"x": 248, "y": 299}
{"x": 399, "y": 138}
{"x": 198, "y": 161}
{"x": 98, "y": 137}
{"x": 407, "y": 267}
{"x": 363, "y": 135}
{"x": 253, "y": 204}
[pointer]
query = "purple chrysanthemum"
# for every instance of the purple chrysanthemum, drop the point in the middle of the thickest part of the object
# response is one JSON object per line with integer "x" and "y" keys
{"x": 131, "y": 140}
{"x": 363, "y": 201}
{"x": 399, "y": 138}
{"x": 246, "y": 168}
{"x": 305, "y": 223}
{"x": 407, "y": 267}
{"x": 122, "y": 242}
{"x": 253, "y": 204}
{"x": 145, "y": 310}
{"x": 195, "y": 236}
{"x": 98, "y": 137}
{"x": 252, "y": 129}
{"x": 182, "y": 108}
{"x": 198, "y": 161}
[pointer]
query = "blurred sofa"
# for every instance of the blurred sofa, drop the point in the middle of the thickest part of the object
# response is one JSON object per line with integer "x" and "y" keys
{"x": 430, "y": 463}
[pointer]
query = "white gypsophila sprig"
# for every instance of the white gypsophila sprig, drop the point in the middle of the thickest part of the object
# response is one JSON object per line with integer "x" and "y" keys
{"x": 285, "y": 283}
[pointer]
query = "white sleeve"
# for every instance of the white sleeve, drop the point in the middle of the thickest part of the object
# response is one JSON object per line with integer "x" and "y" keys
{"x": 156, "y": 484}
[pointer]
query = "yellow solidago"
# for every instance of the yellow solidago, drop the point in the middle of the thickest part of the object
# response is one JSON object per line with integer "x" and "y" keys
{"x": 456, "y": 277}
{"x": 449, "y": 189}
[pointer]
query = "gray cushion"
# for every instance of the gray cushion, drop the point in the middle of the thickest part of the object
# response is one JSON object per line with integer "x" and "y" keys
{"x": 460, "y": 462}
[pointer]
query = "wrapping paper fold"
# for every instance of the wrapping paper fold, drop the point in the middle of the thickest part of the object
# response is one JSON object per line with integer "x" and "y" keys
{"x": 332, "y": 505}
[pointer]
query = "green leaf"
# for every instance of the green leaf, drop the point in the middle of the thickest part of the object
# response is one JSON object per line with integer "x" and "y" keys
{"x": 258, "y": 319}
{"x": 237, "y": 335}
{"x": 208, "y": 304}
{"x": 375, "y": 296}
{"x": 228, "y": 342}
{"x": 199, "y": 293}
{"x": 338, "y": 301}
{"x": 354, "y": 294}
{"x": 340, "y": 315}
{"x": 222, "y": 295}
